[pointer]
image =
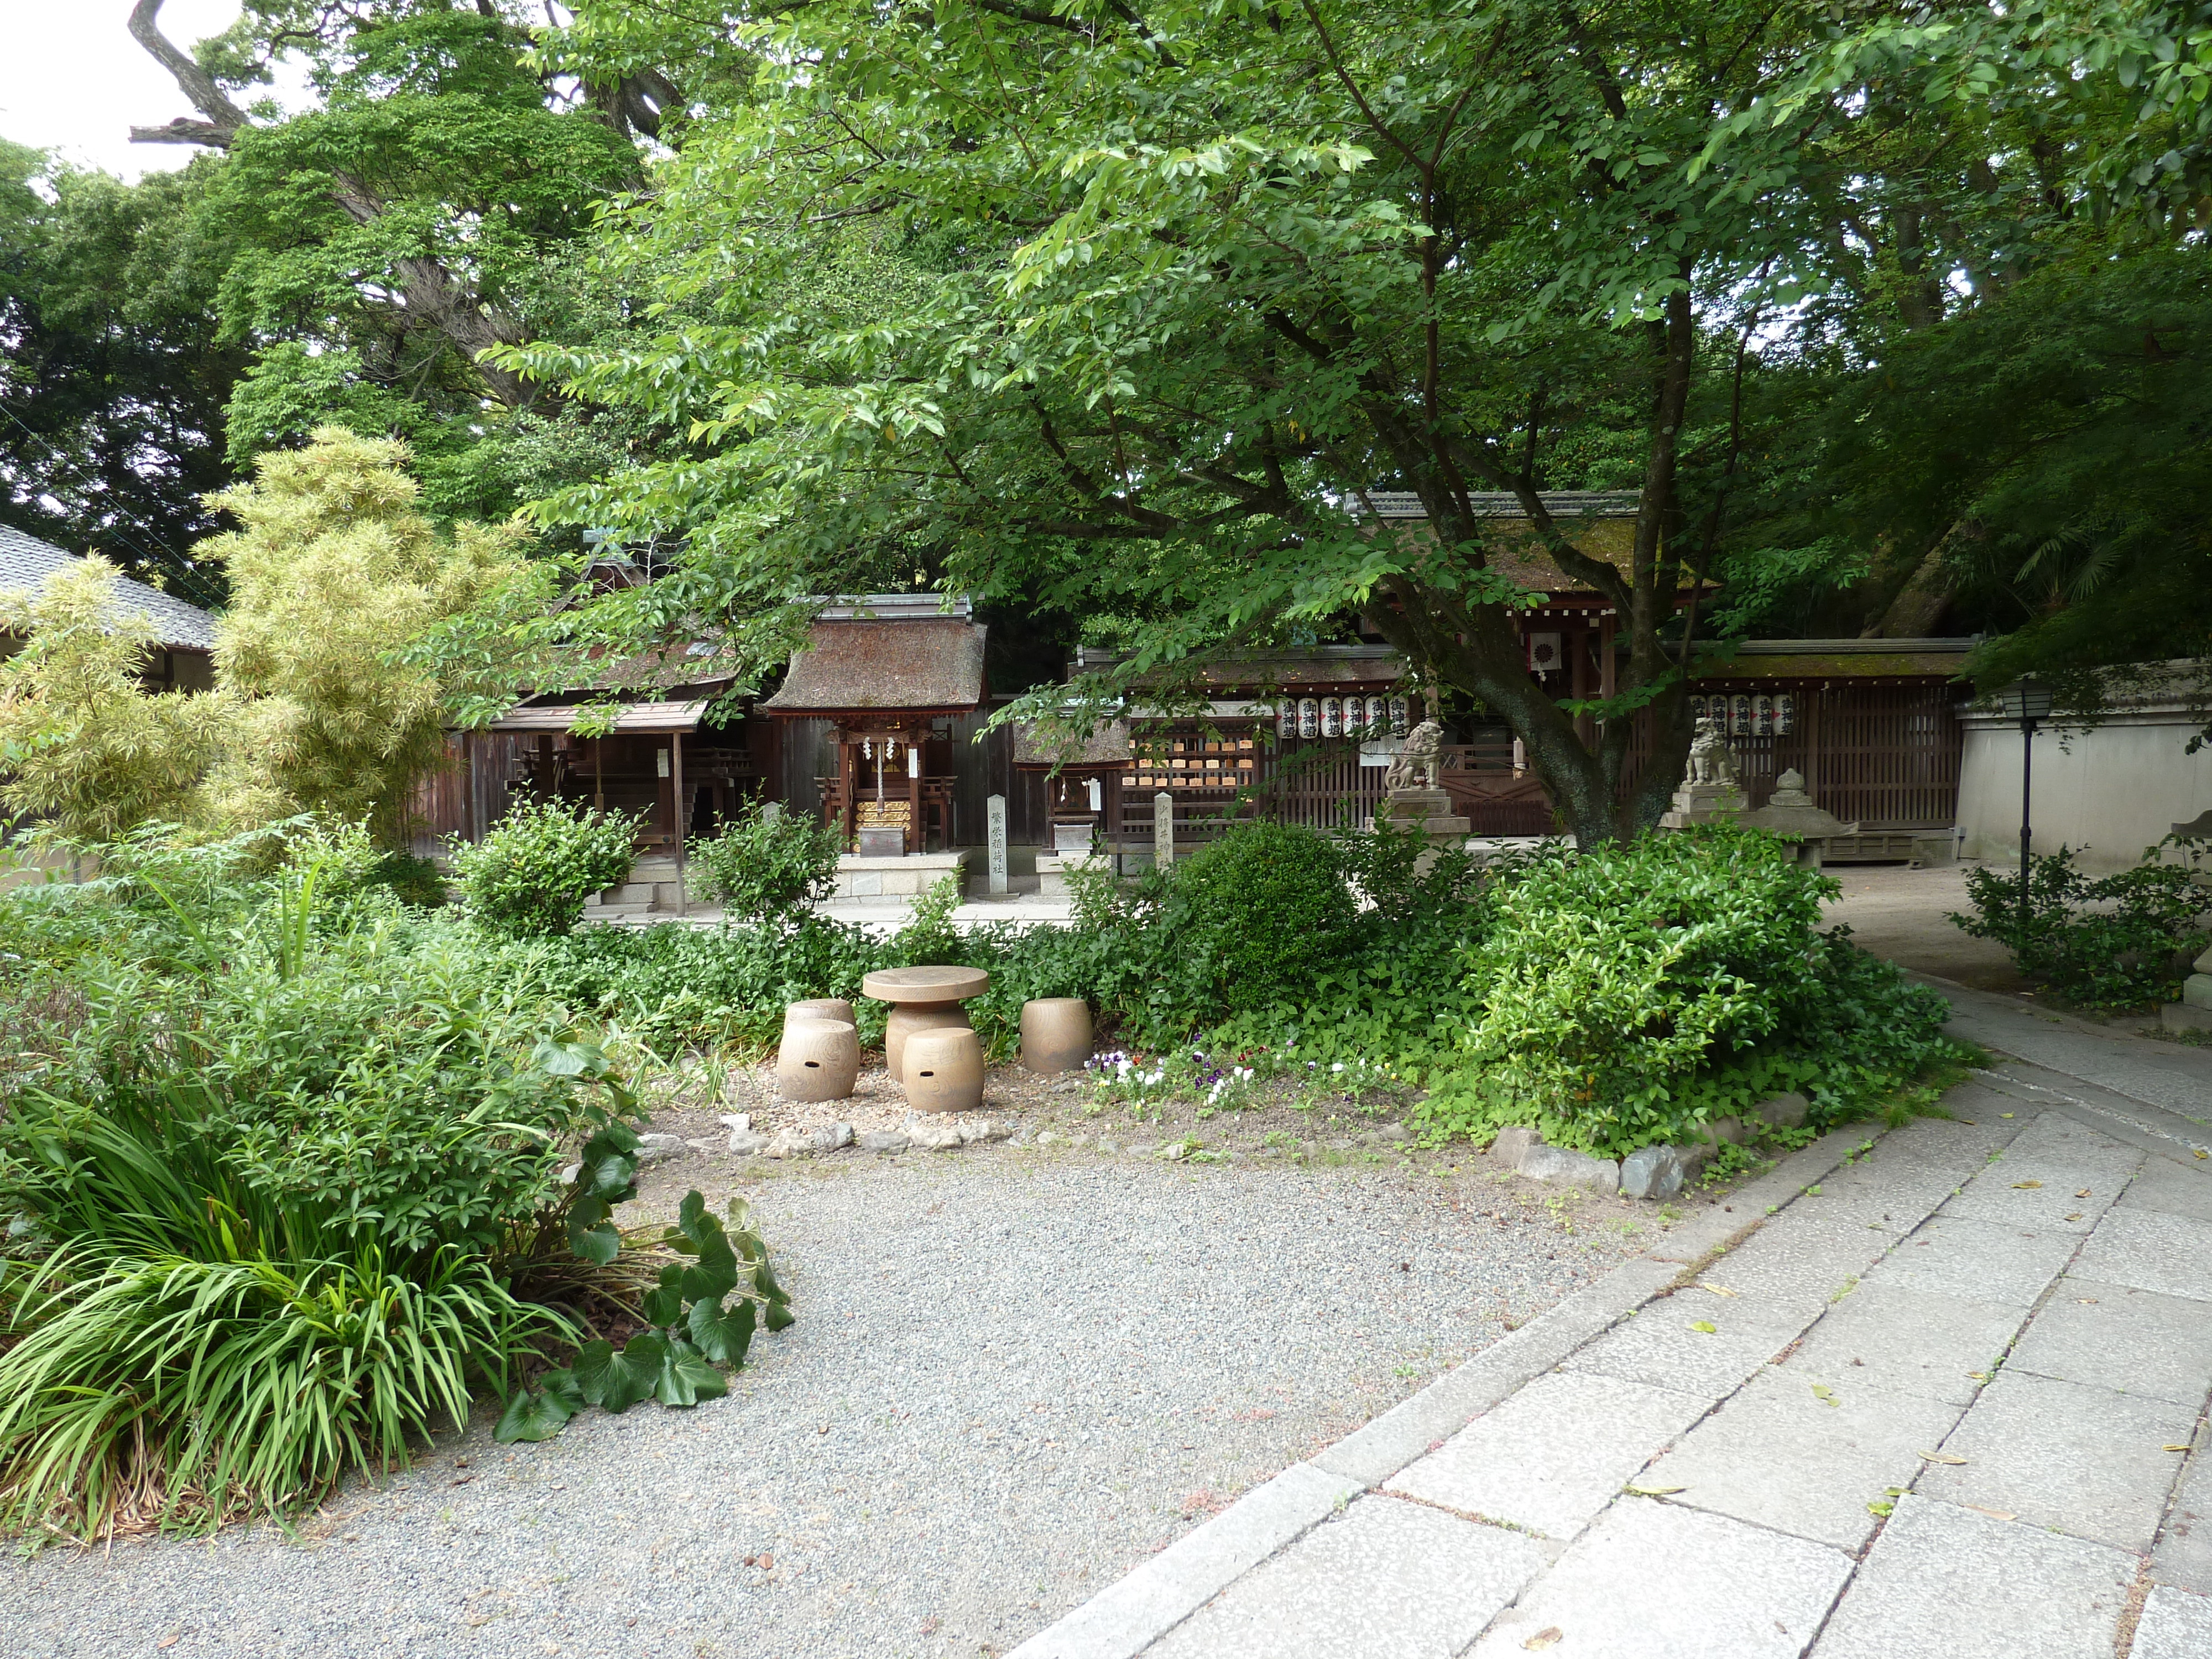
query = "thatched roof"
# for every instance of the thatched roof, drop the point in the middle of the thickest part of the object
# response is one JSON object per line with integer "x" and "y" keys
{"x": 915, "y": 666}
{"x": 1035, "y": 749}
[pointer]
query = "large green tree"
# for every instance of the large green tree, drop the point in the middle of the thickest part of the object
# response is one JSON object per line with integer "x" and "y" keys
{"x": 429, "y": 203}
{"x": 113, "y": 375}
{"x": 1157, "y": 293}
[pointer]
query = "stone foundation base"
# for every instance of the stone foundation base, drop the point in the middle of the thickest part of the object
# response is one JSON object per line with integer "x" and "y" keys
{"x": 1054, "y": 868}
{"x": 900, "y": 878}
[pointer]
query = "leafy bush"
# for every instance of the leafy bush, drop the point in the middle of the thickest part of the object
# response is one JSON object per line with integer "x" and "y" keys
{"x": 765, "y": 865}
{"x": 534, "y": 869}
{"x": 1631, "y": 993}
{"x": 2123, "y": 941}
{"x": 670, "y": 986}
{"x": 1260, "y": 911}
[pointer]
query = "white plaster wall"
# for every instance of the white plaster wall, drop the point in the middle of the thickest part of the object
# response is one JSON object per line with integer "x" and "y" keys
{"x": 2108, "y": 792}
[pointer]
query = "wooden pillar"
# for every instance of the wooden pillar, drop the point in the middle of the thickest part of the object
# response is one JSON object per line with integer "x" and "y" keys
{"x": 472, "y": 820}
{"x": 916, "y": 842}
{"x": 848, "y": 784}
{"x": 683, "y": 817}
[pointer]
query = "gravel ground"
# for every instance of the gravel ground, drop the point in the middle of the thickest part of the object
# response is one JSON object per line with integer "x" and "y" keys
{"x": 1018, "y": 1371}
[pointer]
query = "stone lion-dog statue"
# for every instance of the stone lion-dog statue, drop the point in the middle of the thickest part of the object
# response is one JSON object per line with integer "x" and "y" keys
{"x": 1417, "y": 764}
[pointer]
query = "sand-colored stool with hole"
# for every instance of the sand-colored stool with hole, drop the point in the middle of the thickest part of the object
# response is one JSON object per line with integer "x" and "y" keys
{"x": 818, "y": 1059}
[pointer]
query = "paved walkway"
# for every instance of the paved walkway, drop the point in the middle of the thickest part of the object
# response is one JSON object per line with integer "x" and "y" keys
{"x": 1935, "y": 1395}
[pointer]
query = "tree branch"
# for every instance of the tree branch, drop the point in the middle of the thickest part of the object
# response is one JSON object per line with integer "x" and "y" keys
{"x": 224, "y": 118}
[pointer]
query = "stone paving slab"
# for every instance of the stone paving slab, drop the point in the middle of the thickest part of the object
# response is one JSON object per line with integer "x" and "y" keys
{"x": 1387, "y": 1580}
{"x": 2184, "y": 1555}
{"x": 1803, "y": 1455}
{"x": 1771, "y": 1319}
{"x": 1942, "y": 1580}
{"x": 1809, "y": 1262}
{"x": 1977, "y": 1260}
{"x": 1656, "y": 1581}
{"x": 2128, "y": 1340}
{"x": 1659, "y": 1347}
{"x": 1883, "y": 1199}
{"x": 1372, "y": 1453}
{"x": 1555, "y": 1455}
{"x": 2154, "y": 1128}
{"x": 2151, "y": 1250}
{"x": 1120, "y": 1620}
{"x": 2175, "y": 1625}
{"x": 2166, "y": 1186}
{"x": 1982, "y": 1121}
{"x": 2057, "y": 1176}
{"x": 2083, "y": 1461}
{"x": 1908, "y": 1342}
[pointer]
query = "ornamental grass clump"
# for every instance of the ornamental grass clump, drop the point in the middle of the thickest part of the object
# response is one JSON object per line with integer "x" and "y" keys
{"x": 1629, "y": 993}
{"x": 285, "y": 1197}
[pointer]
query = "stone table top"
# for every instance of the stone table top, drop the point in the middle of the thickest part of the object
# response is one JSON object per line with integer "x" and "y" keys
{"x": 922, "y": 986}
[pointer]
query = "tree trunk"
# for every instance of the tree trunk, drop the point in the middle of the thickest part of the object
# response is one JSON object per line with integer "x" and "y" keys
{"x": 433, "y": 290}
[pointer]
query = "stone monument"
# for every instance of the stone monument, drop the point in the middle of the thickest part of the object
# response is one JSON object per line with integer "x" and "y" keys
{"x": 1790, "y": 812}
{"x": 995, "y": 815}
{"x": 1415, "y": 795}
{"x": 1163, "y": 831}
{"x": 2194, "y": 1012}
{"x": 1709, "y": 793}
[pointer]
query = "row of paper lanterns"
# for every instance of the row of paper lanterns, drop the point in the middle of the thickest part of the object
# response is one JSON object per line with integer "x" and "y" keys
{"x": 1342, "y": 717}
{"x": 1750, "y": 713}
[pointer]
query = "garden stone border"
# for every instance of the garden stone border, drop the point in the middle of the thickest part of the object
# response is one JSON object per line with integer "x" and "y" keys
{"x": 1129, "y": 1615}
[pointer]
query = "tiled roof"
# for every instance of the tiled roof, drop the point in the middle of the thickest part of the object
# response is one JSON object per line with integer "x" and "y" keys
{"x": 26, "y": 562}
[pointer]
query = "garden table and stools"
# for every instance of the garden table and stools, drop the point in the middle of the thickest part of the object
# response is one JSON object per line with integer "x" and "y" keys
{"x": 922, "y": 999}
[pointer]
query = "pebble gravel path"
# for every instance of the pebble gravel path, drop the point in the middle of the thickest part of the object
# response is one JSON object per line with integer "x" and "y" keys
{"x": 1017, "y": 1373}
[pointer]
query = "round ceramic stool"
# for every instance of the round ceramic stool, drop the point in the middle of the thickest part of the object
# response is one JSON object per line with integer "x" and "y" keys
{"x": 820, "y": 1008}
{"x": 945, "y": 1070}
{"x": 1055, "y": 1034}
{"x": 819, "y": 1059}
{"x": 923, "y": 1000}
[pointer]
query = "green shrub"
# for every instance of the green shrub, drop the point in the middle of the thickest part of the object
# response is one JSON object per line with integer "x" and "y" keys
{"x": 1259, "y": 913}
{"x": 2120, "y": 942}
{"x": 532, "y": 871}
{"x": 1631, "y": 993}
{"x": 764, "y": 865}
{"x": 671, "y": 986}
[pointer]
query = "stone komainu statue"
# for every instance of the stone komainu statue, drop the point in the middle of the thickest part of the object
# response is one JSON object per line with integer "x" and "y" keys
{"x": 1712, "y": 761}
{"x": 1417, "y": 764}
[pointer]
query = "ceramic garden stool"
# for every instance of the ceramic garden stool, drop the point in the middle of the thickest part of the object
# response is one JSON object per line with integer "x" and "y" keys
{"x": 945, "y": 1070}
{"x": 922, "y": 999}
{"x": 819, "y": 1059}
{"x": 820, "y": 1008}
{"x": 1055, "y": 1034}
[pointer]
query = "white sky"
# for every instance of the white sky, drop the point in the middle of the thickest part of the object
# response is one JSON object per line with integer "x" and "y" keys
{"x": 72, "y": 78}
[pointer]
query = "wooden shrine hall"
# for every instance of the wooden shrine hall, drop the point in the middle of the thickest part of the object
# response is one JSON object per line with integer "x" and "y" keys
{"x": 890, "y": 672}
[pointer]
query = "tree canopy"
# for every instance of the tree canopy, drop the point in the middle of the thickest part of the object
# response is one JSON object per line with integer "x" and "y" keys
{"x": 1122, "y": 311}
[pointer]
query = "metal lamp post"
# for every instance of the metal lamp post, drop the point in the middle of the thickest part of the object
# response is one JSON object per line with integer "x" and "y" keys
{"x": 2028, "y": 701}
